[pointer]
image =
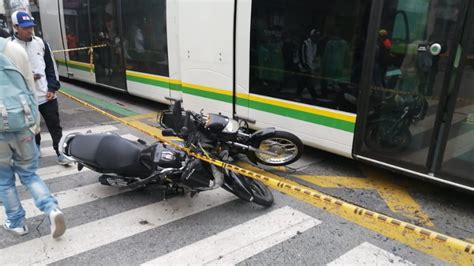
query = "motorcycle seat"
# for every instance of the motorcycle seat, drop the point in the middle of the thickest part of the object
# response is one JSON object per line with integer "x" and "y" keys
{"x": 109, "y": 153}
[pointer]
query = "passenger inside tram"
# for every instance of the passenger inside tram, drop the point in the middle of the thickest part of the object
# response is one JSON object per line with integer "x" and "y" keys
{"x": 316, "y": 57}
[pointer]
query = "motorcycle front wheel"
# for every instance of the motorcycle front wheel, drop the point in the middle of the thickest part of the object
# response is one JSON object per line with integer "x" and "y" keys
{"x": 262, "y": 195}
{"x": 287, "y": 148}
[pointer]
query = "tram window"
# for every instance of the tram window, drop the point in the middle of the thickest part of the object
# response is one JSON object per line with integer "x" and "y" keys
{"x": 408, "y": 78}
{"x": 458, "y": 157}
{"x": 309, "y": 51}
{"x": 144, "y": 27}
{"x": 77, "y": 28}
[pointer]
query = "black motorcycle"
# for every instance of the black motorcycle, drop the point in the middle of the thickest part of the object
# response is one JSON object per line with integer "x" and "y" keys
{"x": 388, "y": 123}
{"x": 129, "y": 164}
{"x": 220, "y": 133}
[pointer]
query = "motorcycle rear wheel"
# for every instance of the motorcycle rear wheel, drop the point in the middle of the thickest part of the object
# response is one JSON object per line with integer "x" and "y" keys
{"x": 288, "y": 147}
{"x": 262, "y": 195}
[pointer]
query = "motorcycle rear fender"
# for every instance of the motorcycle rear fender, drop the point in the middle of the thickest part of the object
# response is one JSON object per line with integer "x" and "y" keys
{"x": 256, "y": 137}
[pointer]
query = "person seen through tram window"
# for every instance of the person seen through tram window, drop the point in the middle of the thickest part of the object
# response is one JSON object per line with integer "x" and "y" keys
{"x": 334, "y": 63}
{"x": 382, "y": 58}
{"x": 307, "y": 64}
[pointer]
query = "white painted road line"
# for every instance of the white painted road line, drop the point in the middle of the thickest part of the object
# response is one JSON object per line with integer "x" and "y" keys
{"x": 98, "y": 129}
{"x": 368, "y": 254}
{"x": 71, "y": 198}
{"x": 55, "y": 171}
{"x": 243, "y": 241}
{"x": 95, "y": 234}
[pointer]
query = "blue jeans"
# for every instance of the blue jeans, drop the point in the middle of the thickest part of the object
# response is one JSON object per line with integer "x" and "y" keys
{"x": 19, "y": 154}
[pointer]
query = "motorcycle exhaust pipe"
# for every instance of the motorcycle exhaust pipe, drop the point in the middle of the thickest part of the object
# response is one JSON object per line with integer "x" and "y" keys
{"x": 112, "y": 181}
{"x": 250, "y": 148}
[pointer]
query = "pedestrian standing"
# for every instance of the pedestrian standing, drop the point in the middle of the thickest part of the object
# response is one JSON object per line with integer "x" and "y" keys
{"x": 18, "y": 151}
{"x": 45, "y": 75}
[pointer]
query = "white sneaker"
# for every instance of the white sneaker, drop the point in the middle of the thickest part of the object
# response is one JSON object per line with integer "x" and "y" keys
{"x": 58, "y": 223}
{"x": 62, "y": 160}
{"x": 18, "y": 231}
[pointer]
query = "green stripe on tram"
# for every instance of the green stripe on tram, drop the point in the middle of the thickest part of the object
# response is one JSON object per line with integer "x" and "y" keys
{"x": 303, "y": 116}
{"x": 75, "y": 66}
{"x": 207, "y": 94}
{"x": 274, "y": 109}
{"x": 157, "y": 83}
{"x": 265, "y": 107}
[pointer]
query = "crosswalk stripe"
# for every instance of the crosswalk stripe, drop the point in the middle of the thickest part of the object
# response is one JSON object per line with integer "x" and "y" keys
{"x": 98, "y": 233}
{"x": 98, "y": 129}
{"x": 243, "y": 241}
{"x": 55, "y": 171}
{"x": 72, "y": 197}
{"x": 368, "y": 254}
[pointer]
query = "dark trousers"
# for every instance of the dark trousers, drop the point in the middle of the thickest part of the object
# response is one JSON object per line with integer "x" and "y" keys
{"x": 306, "y": 81}
{"x": 50, "y": 113}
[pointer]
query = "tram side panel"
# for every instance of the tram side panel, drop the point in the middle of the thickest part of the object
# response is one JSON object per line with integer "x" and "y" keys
{"x": 269, "y": 38}
{"x": 51, "y": 31}
{"x": 172, "y": 18}
{"x": 206, "y": 54}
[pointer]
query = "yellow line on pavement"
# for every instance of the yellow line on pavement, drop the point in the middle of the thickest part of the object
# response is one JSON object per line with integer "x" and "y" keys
{"x": 395, "y": 196}
{"x": 142, "y": 116}
{"x": 263, "y": 172}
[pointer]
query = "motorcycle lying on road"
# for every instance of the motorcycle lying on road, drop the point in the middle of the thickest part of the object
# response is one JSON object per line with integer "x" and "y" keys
{"x": 219, "y": 133}
{"x": 135, "y": 164}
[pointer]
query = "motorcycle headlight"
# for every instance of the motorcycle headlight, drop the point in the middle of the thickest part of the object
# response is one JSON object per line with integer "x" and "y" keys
{"x": 232, "y": 127}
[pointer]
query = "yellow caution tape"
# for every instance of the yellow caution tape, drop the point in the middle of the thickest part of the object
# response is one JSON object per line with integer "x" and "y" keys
{"x": 90, "y": 52}
{"x": 80, "y": 48}
{"x": 447, "y": 248}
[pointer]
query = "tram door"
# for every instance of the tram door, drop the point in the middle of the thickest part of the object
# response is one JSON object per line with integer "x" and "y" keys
{"x": 408, "y": 116}
{"x": 106, "y": 30}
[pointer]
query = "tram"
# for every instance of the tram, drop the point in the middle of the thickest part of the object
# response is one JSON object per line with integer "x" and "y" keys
{"x": 385, "y": 82}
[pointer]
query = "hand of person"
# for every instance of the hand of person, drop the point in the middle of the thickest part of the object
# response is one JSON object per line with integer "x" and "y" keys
{"x": 50, "y": 96}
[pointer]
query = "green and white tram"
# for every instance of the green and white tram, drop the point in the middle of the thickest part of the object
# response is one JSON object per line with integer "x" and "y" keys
{"x": 390, "y": 82}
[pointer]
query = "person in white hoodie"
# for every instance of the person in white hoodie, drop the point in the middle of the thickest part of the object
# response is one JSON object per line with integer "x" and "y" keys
{"x": 19, "y": 155}
{"x": 45, "y": 75}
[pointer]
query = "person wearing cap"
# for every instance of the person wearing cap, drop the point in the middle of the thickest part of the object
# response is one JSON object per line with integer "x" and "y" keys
{"x": 45, "y": 75}
{"x": 19, "y": 155}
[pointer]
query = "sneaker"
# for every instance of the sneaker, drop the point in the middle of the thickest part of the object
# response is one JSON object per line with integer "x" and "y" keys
{"x": 58, "y": 223}
{"x": 18, "y": 231}
{"x": 62, "y": 160}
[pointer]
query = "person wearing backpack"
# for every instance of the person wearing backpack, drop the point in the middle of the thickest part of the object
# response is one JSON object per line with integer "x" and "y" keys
{"x": 19, "y": 154}
{"x": 45, "y": 75}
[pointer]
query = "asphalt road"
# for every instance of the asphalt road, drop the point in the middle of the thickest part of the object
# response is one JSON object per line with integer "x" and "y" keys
{"x": 111, "y": 226}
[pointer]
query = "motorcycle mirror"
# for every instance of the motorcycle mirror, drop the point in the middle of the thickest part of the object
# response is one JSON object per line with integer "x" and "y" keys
{"x": 168, "y": 132}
